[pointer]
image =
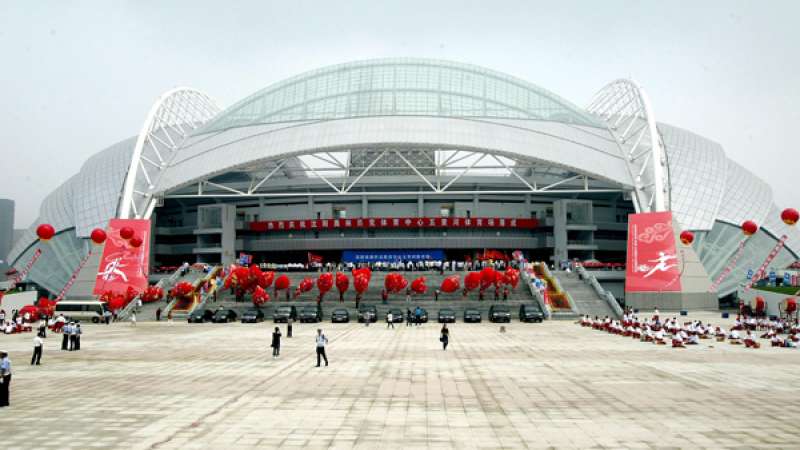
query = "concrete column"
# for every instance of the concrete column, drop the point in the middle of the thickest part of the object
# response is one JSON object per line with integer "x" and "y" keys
{"x": 365, "y": 212}
{"x": 420, "y": 212}
{"x": 560, "y": 231}
{"x": 228, "y": 241}
{"x": 475, "y": 206}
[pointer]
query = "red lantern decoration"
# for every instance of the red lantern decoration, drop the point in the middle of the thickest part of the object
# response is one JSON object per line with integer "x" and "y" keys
{"x": 790, "y": 216}
{"x": 418, "y": 285}
{"x": 126, "y": 233}
{"x": 45, "y": 231}
{"x": 98, "y": 236}
{"x": 472, "y": 281}
{"x": 749, "y": 228}
{"x": 342, "y": 282}
{"x": 135, "y": 242}
{"x": 361, "y": 283}
{"x": 450, "y": 284}
{"x": 282, "y": 282}
{"x": 687, "y": 237}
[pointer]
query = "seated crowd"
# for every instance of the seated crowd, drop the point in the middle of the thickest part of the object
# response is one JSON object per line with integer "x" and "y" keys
{"x": 668, "y": 330}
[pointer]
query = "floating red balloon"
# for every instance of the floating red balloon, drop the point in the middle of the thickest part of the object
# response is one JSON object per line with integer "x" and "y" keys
{"x": 790, "y": 216}
{"x": 749, "y": 228}
{"x": 135, "y": 242}
{"x": 282, "y": 282}
{"x": 361, "y": 283}
{"x": 152, "y": 294}
{"x": 183, "y": 289}
{"x": 264, "y": 279}
{"x": 325, "y": 282}
{"x": 511, "y": 276}
{"x": 395, "y": 282}
{"x": 260, "y": 296}
{"x": 687, "y": 237}
{"x": 472, "y": 281}
{"x": 450, "y": 284}
{"x": 306, "y": 285}
{"x": 126, "y": 233}
{"x": 98, "y": 236}
{"x": 45, "y": 231}
{"x": 342, "y": 282}
{"x": 791, "y": 305}
{"x": 31, "y": 310}
{"x": 46, "y": 306}
{"x": 418, "y": 285}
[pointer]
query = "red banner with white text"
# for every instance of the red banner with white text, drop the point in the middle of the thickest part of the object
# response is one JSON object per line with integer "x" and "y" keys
{"x": 394, "y": 222}
{"x": 123, "y": 264}
{"x": 653, "y": 263}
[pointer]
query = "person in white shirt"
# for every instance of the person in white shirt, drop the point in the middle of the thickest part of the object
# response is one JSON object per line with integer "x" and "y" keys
{"x": 660, "y": 337}
{"x": 389, "y": 320}
{"x": 677, "y": 341}
{"x": 321, "y": 342}
{"x": 694, "y": 339}
{"x": 734, "y": 337}
{"x": 133, "y": 319}
{"x": 38, "y": 345}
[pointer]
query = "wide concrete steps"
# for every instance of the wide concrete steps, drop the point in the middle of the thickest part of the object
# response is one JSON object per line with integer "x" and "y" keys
{"x": 584, "y": 297}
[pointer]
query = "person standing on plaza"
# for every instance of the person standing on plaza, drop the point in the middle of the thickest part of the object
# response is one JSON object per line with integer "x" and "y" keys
{"x": 78, "y": 332}
{"x": 390, "y": 320}
{"x": 408, "y": 317}
{"x": 418, "y": 316}
{"x": 289, "y": 323}
{"x": 133, "y": 318}
{"x": 5, "y": 380}
{"x": 321, "y": 342}
{"x": 42, "y": 327}
{"x": 72, "y": 335}
{"x": 158, "y": 314}
{"x": 276, "y": 342}
{"x": 67, "y": 330}
{"x": 444, "y": 337}
{"x": 38, "y": 343}
{"x": 436, "y": 295}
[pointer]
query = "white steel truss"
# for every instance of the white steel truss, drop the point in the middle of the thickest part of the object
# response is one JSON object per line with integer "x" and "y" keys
{"x": 425, "y": 171}
{"x": 172, "y": 117}
{"x": 626, "y": 109}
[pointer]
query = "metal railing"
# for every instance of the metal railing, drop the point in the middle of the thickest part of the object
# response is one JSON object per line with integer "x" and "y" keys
{"x": 559, "y": 288}
{"x": 536, "y": 294}
{"x": 203, "y": 297}
{"x": 600, "y": 291}
{"x": 165, "y": 283}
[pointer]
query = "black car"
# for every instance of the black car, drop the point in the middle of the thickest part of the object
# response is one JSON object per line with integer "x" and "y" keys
{"x": 367, "y": 313}
{"x": 397, "y": 315}
{"x": 530, "y": 313}
{"x": 472, "y": 316}
{"x": 311, "y": 314}
{"x": 284, "y": 313}
{"x": 499, "y": 313}
{"x": 224, "y": 315}
{"x": 253, "y": 316}
{"x": 447, "y": 315}
{"x": 201, "y": 315}
{"x": 423, "y": 316}
{"x": 340, "y": 316}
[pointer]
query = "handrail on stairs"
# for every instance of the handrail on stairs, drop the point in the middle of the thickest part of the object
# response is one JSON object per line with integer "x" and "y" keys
{"x": 557, "y": 284}
{"x": 126, "y": 312}
{"x": 548, "y": 313}
{"x": 600, "y": 291}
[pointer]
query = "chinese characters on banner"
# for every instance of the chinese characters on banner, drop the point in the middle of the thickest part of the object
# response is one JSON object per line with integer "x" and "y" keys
{"x": 123, "y": 265}
{"x": 394, "y": 222}
{"x": 653, "y": 263}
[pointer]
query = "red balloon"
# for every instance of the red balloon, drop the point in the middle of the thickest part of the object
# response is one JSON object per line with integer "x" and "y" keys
{"x": 116, "y": 302}
{"x": 265, "y": 279}
{"x": 260, "y": 296}
{"x": 46, "y": 306}
{"x": 749, "y": 228}
{"x": 363, "y": 271}
{"x": 282, "y": 282}
{"x": 306, "y": 285}
{"x": 687, "y": 237}
{"x": 342, "y": 282}
{"x": 511, "y": 277}
{"x": 152, "y": 294}
{"x": 135, "y": 242}
{"x": 472, "y": 281}
{"x": 126, "y": 233}
{"x": 98, "y": 236}
{"x": 29, "y": 309}
{"x": 325, "y": 282}
{"x": 45, "y": 231}
{"x": 418, "y": 285}
{"x": 791, "y": 305}
{"x": 450, "y": 284}
{"x": 361, "y": 283}
{"x": 183, "y": 289}
{"x": 790, "y": 216}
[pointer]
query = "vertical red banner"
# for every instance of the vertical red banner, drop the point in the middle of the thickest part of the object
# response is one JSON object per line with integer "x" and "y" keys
{"x": 653, "y": 263}
{"x": 122, "y": 264}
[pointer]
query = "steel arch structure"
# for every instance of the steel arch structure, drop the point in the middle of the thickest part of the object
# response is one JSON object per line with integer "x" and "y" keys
{"x": 172, "y": 117}
{"x": 624, "y": 106}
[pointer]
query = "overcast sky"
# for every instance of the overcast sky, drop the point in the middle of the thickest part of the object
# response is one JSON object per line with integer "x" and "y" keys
{"x": 76, "y": 77}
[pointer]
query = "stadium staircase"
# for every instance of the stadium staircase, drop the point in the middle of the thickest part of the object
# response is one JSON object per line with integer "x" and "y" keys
{"x": 195, "y": 276}
{"x": 586, "y": 298}
{"x": 558, "y": 302}
{"x": 454, "y": 301}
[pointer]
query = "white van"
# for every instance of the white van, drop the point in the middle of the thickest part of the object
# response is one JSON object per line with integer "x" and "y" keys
{"x": 81, "y": 310}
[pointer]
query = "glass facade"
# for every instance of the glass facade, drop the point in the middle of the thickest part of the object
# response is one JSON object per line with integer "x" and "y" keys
{"x": 399, "y": 87}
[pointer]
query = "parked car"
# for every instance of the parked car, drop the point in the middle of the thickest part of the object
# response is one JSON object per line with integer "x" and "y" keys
{"x": 283, "y": 313}
{"x": 201, "y": 315}
{"x": 499, "y": 313}
{"x": 311, "y": 314}
{"x": 253, "y": 315}
{"x": 530, "y": 313}
{"x": 224, "y": 315}
{"x": 367, "y": 313}
{"x": 447, "y": 315}
{"x": 397, "y": 315}
{"x": 340, "y": 315}
{"x": 472, "y": 316}
{"x": 423, "y": 318}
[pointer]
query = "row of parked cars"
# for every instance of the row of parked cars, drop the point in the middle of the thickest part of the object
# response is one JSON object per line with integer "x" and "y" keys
{"x": 366, "y": 313}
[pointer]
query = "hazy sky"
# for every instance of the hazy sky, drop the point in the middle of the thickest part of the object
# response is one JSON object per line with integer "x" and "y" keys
{"x": 76, "y": 77}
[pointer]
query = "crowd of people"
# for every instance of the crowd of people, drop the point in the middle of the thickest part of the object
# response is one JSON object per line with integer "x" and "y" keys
{"x": 664, "y": 331}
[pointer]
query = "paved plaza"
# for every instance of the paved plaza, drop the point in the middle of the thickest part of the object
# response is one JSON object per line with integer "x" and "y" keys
{"x": 180, "y": 386}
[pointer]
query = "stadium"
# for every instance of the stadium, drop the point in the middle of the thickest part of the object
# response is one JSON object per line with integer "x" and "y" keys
{"x": 411, "y": 159}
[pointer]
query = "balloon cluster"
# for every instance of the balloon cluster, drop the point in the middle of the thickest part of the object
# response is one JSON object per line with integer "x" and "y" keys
{"x": 418, "y": 285}
{"x": 324, "y": 284}
{"x": 361, "y": 279}
{"x": 342, "y": 282}
{"x": 246, "y": 280}
{"x": 394, "y": 282}
{"x": 306, "y": 285}
{"x": 260, "y": 296}
{"x": 152, "y": 294}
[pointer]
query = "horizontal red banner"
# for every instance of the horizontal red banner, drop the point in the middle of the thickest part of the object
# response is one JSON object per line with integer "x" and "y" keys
{"x": 394, "y": 222}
